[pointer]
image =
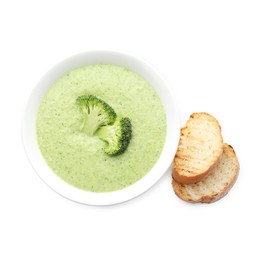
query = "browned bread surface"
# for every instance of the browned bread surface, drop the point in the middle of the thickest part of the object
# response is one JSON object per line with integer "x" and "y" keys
{"x": 214, "y": 186}
{"x": 199, "y": 150}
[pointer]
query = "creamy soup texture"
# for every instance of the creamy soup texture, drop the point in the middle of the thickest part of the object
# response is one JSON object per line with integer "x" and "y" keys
{"x": 80, "y": 159}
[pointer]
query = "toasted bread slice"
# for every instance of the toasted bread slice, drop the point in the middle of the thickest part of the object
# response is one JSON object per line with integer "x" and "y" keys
{"x": 214, "y": 186}
{"x": 199, "y": 150}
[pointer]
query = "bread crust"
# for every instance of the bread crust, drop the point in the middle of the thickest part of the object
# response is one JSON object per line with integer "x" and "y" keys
{"x": 230, "y": 159}
{"x": 187, "y": 176}
{"x": 196, "y": 178}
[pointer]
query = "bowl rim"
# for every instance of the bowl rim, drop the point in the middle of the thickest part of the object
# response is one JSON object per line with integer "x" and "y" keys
{"x": 29, "y": 138}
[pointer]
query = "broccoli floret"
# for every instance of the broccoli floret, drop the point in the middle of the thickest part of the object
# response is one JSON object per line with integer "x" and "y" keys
{"x": 96, "y": 113}
{"x": 116, "y": 136}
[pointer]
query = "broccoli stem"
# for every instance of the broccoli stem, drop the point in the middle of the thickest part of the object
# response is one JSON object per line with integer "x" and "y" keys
{"x": 89, "y": 127}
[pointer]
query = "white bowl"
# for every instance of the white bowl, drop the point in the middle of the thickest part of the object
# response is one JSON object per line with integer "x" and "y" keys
{"x": 107, "y": 198}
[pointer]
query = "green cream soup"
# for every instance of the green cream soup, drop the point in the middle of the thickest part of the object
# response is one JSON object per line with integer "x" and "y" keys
{"x": 80, "y": 159}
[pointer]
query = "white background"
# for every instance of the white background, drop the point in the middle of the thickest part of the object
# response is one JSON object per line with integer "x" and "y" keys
{"x": 209, "y": 52}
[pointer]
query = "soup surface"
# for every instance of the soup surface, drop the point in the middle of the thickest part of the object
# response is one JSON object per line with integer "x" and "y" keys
{"x": 80, "y": 159}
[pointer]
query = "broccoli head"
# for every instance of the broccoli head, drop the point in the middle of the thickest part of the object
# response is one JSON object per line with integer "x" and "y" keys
{"x": 96, "y": 113}
{"x": 116, "y": 136}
